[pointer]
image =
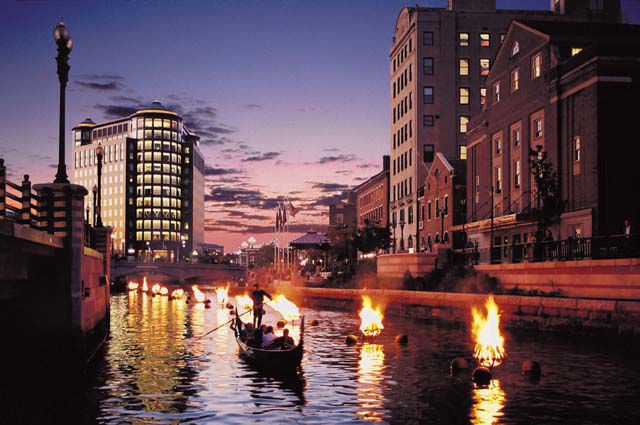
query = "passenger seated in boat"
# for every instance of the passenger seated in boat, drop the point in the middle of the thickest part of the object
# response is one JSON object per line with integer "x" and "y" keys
{"x": 268, "y": 337}
{"x": 257, "y": 336}
{"x": 284, "y": 342}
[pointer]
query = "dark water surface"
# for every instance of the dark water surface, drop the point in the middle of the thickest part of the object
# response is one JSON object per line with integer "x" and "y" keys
{"x": 153, "y": 372}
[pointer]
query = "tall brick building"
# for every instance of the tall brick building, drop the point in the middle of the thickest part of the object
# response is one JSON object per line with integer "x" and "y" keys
{"x": 439, "y": 60}
{"x": 372, "y": 198}
{"x": 571, "y": 89}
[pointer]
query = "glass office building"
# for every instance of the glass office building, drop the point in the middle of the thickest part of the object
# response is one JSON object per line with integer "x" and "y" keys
{"x": 152, "y": 181}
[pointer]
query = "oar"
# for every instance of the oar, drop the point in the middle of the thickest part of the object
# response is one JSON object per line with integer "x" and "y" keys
{"x": 225, "y": 323}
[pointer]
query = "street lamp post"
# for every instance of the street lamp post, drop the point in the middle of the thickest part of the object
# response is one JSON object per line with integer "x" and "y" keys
{"x": 95, "y": 204}
{"x": 394, "y": 233}
{"x": 99, "y": 156}
{"x": 401, "y": 235}
{"x": 64, "y": 43}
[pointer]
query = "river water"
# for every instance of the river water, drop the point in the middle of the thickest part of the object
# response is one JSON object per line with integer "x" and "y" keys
{"x": 155, "y": 372}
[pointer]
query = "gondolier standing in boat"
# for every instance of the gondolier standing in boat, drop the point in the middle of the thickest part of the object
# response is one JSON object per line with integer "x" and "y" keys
{"x": 258, "y": 303}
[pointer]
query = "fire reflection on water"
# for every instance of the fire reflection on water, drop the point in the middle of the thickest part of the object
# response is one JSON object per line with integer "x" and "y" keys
{"x": 488, "y": 403}
{"x": 370, "y": 377}
{"x": 148, "y": 351}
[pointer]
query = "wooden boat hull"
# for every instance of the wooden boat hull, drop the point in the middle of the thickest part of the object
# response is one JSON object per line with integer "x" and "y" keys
{"x": 282, "y": 358}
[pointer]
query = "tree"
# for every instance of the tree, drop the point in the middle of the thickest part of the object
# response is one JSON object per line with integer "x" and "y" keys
{"x": 546, "y": 187}
{"x": 372, "y": 238}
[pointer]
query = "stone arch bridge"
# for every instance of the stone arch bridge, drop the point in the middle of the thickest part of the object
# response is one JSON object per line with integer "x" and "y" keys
{"x": 178, "y": 272}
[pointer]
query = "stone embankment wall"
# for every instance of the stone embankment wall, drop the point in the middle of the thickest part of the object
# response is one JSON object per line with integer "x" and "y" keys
{"x": 605, "y": 279}
{"x": 570, "y": 315}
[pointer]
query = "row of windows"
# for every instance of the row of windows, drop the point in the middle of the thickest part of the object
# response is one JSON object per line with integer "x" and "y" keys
{"x": 159, "y": 190}
{"x": 403, "y": 80}
{"x": 87, "y": 158}
{"x": 403, "y": 161}
{"x": 111, "y": 130}
{"x": 535, "y": 72}
{"x": 157, "y": 236}
{"x": 158, "y": 213}
{"x": 158, "y": 224}
{"x": 403, "y": 188}
{"x": 158, "y": 167}
{"x": 156, "y": 123}
{"x": 403, "y": 134}
{"x": 158, "y": 179}
{"x": 402, "y": 55}
{"x": 438, "y": 212}
{"x": 484, "y": 38}
{"x": 374, "y": 216}
{"x": 403, "y": 107}
{"x": 157, "y": 201}
{"x": 160, "y": 157}
{"x": 373, "y": 195}
{"x": 464, "y": 67}
{"x": 157, "y": 145}
{"x": 159, "y": 134}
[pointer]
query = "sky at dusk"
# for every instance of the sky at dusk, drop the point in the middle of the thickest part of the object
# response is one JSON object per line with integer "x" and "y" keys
{"x": 290, "y": 98}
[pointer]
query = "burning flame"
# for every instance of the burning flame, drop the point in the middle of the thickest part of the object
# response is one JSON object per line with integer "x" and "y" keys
{"x": 198, "y": 294}
{"x": 222, "y": 294}
{"x": 371, "y": 318}
{"x": 489, "y": 349}
{"x": 155, "y": 289}
{"x": 286, "y": 308}
{"x": 145, "y": 287}
{"x": 244, "y": 302}
{"x": 177, "y": 293}
{"x": 132, "y": 285}
{"x": 164, "y": 291}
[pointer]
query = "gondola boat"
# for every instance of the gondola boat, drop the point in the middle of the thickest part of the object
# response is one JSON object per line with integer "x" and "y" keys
{"x": 278, "y": 357}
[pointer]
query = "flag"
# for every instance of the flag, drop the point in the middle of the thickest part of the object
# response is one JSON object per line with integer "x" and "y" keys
{"x": 293, "y": 210}
{"x": 284, "y": 214}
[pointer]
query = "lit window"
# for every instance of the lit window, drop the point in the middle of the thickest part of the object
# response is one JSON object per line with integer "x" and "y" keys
{"x": 515, "y": 135}
{"x": 537, "y": 128}
{"x": 428, "y": 120}
{"x": 577, "y": 152}
{"x": 464, "y": 95}
{"x": 575, "y": 50}
{"x": 463, "y": 39}
{"x": 536, "y": 66}
{"x": 428, "y": 95}
{"x": 515, "y": 79}
{"x": 517, "y": 173}
{"x": 515, "y": 48}
{"x": 485, "y": 39}
{"x": 485, "y": 65}
{"x": 498, "y": 179}
{"x": 464, "y": 66}
{"x": 428, "y": 66}
{"x": 464, "y": 122}
{"x": 483, "y": 95}
{"x": 498, "y": 144}
{"x": 496, "y": 92}
{"x": 477, "y": 189}
{"x": 463, "y": 151}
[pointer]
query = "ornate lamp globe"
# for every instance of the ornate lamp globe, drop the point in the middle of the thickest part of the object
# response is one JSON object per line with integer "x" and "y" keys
{"x": 95, "y": 189}
{"x": 244, "y": 245}
{"x": 251, "y": 240}
{"x": 61, "y": 35}
{"x": 100, "y": 152}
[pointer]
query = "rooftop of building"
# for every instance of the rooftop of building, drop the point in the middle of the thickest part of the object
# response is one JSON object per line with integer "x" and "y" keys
{"x": 582, "y": 32}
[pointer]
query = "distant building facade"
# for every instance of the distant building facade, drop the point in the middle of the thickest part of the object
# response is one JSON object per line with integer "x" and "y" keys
{"x": 344, "y": 213}
{"x": 443, "y": 203}
{"x": 566, "y": 88}
{"x": 439, "y": 61}
{"x": 372, "y": 198}
{"x": 152, "y": 180}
